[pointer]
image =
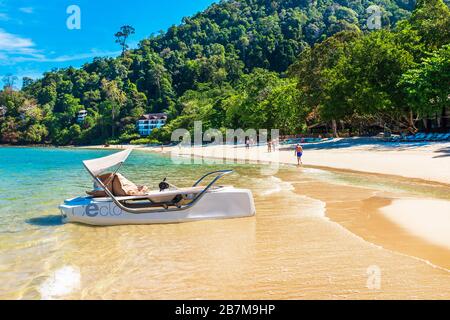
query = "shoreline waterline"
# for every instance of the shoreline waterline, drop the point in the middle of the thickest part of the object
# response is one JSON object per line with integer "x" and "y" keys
{"x": 389, "y": 159}
{"x": 436, "y": 254}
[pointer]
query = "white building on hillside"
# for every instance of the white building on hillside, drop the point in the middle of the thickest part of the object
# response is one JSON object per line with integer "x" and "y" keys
{"x": 150, "y": 121}
{"x": 81, "y": 116}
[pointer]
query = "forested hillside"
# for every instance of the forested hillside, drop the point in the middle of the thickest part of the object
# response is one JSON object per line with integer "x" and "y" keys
{"x": 287, "y": 64}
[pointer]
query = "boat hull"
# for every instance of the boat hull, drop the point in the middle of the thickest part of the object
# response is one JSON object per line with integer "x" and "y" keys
{"x": 219, "y": 204}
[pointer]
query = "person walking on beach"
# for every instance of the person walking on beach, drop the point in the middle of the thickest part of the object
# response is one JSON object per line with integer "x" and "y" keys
{"x": 247, "y": 143}
{"x": 299, "y": 153}
{"x": 269, "y": 146}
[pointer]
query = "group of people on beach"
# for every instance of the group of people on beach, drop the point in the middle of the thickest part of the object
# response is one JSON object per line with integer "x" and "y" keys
{"x": 298, "y": 150}
{"x": 271, "y": 146}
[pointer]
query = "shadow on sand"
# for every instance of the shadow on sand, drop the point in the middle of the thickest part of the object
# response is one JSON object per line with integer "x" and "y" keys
{"x": 46, "y": 221}
{"x": 374, "y": 143}
{"x": 444, "y": 152}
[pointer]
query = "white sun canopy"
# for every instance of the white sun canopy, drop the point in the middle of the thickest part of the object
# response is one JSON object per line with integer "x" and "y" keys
{"x": 97, "y": 166}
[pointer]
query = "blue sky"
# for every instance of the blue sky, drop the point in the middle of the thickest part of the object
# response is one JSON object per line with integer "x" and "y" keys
{"x": 34, "y": 36}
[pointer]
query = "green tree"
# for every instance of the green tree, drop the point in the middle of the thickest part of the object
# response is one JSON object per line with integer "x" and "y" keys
{"x": 428, "y": 84}
{"x": 115, "y": 98}
{"x": 122, "y": 37}
{"x": 35, "y": 133}
{"x": 27, "y": 81}
{"x": 245, "y": 108}
{"x": 284, "y": 108}
{"x": 366, "y": 80}
{"x": 431, "y": 19}
{"x": 314, "y": 74}
{"x": 9, "y": 131}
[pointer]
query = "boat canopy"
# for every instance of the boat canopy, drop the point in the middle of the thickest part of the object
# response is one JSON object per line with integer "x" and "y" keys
{"x": 97, "y": 166}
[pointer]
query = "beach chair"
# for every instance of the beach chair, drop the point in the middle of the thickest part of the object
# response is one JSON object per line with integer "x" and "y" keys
{"x": 419, "y": 137}
{"x": 395, "y": 138}
{"x": 438, "y": 137}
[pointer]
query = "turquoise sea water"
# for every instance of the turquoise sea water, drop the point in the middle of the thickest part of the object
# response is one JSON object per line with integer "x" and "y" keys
{"x": 35, "y": 180}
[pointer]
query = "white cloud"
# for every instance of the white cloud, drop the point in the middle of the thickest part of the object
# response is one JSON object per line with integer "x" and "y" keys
{"x": 14, "y": 46}
{"x": 16, "y": 49}
{"x": 65, "y": 58}
{"x": 81, "y": 56}
{"x": 13, "y": 43}
{"x": 27, "y": 10}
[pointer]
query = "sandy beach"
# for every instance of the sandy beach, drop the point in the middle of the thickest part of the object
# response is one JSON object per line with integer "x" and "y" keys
{"x": 420, "y": 160}
{"x": 425, "y": 161}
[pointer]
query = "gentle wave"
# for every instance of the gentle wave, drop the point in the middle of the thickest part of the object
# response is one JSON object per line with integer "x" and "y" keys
{"x": 278, "y": 186}
{"x": 310, "y": 206}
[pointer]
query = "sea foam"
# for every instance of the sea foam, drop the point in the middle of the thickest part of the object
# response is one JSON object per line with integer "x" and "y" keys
{"x": 277, "y": 185}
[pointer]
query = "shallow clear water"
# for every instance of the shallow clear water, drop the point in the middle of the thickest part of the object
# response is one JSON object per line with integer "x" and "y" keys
{"x": 289, "y": 250}
{"x": 35, "y": 180}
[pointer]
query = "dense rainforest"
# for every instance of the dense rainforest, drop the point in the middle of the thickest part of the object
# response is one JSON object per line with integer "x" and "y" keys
{"x": 288, "y": 64}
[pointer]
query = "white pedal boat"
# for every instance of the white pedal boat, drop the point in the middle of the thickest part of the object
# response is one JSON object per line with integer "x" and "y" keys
{"x": 168, "y": 205}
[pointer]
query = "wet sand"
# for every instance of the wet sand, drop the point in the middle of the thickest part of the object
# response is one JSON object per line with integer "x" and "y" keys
{"x": 413, "y": 229}
{"x": 362, "y": 211}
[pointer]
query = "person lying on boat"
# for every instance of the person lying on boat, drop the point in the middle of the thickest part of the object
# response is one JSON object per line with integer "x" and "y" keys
{"x": 118, "y": 185}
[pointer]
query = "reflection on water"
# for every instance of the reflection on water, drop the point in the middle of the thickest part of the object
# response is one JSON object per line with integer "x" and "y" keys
{"x": 289, "y": 250}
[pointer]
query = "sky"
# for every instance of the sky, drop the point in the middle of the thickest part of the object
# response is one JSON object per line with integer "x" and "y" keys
{"x": 37, "y": 36}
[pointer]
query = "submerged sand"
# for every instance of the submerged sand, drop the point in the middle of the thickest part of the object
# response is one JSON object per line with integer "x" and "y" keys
{"x": 292, "y": 249}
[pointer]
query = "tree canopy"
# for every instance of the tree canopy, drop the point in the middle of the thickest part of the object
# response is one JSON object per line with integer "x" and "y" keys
{"x": 288, "y": 64}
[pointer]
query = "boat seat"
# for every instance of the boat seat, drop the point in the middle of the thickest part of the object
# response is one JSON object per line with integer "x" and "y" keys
{"x": 163, "y": 196}
{"x": 168, "y": 195}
